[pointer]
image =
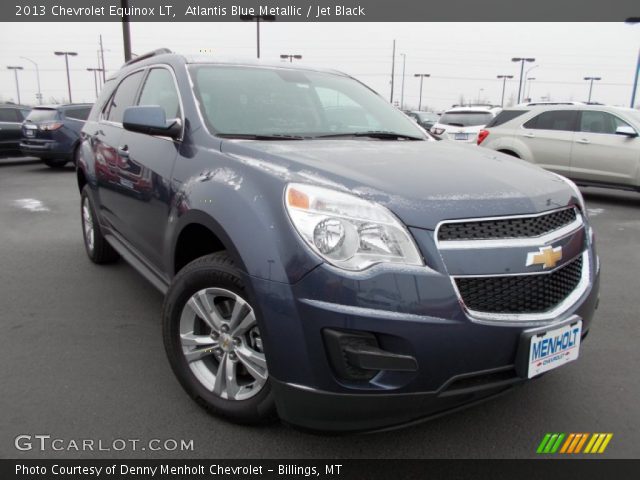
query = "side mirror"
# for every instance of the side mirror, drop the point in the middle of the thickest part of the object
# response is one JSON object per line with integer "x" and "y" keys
{"x": 626, "y": 131}
{"x": 151, "y": 120}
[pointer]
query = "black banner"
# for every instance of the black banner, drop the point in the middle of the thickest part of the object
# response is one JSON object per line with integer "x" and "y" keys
{"x": 332, "y": 469}
{"x": 319, "y": 10}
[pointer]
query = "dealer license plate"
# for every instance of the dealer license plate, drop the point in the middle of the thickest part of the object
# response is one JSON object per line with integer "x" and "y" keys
{"x": 554, "y": 348}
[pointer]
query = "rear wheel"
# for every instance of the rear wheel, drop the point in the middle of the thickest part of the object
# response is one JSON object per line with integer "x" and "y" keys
{"x": 213, "y": 342}
{"x": 97, "y": 248}
{"x": 55, "y": 163}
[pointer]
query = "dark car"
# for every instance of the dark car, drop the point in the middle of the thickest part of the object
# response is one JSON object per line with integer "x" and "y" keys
{"x": 425, "y": 119}
{"x": 52, "y": 133}
{"x": 340, "y": 278}
{"x": 11, "y": 118}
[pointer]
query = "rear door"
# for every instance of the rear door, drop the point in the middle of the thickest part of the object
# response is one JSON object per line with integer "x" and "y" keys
{"x": 599, "y": 155}
{"x": 146, "y": 170}
{"x": 549, "y": 138}
{"x": 106, "y": 140}
{"x": 10, "y": 129}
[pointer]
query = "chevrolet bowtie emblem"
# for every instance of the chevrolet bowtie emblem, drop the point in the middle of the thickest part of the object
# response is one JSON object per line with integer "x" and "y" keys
{"x": 548, "y": 257}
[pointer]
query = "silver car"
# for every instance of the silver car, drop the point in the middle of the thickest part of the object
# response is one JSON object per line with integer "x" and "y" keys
{"x": 591, "y": 144}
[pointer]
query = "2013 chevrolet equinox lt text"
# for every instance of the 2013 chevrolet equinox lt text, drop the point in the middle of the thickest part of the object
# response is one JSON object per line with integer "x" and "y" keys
{"x": 324, "y": 260}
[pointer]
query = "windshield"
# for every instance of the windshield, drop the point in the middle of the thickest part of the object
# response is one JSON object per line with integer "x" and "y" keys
{"x": 239, "y": 100}
{"x": 42, "y": 115}
{"x": 465, "y": 119}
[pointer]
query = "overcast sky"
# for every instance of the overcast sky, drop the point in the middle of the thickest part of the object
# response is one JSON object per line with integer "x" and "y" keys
{"x": 462, "y": 58}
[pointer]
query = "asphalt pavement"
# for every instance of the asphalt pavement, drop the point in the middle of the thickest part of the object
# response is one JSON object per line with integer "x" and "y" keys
{"x": 81, "y": 353}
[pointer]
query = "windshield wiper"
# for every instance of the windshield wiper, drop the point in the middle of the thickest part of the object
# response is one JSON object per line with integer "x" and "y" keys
{"x": 455, "y": 124}
{"x": 257, "y": 136}
{"x": 382, "y": 134}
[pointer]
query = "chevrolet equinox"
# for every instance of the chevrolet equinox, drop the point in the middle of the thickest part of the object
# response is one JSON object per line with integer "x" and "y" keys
{"x": 323, "y": 259}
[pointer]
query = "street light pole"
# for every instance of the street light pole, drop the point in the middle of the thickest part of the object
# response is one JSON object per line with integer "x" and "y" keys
{"x": 284, "y": 56}
{"x": 39, "y": 94}
{"x": 529, "y": 80}
{"x": 66, "y": 61}
{"x": 504, "y": 84}
{"x": 393, "y": 69}
{"x": 95, "y": 78}
{"x": 257, "y": 18}
{"x": 15, "y": 72}
{"x": 404, "y": 64}
{"x": 634, "y": 21}
{"x": 590, "y": 80}
{"x": 422, "y": 77}
{"x": 521, "y": 60}
{"x": 526, "y": 79}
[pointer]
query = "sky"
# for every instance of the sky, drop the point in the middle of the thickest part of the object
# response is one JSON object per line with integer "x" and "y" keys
{"x": 463, "y": 59}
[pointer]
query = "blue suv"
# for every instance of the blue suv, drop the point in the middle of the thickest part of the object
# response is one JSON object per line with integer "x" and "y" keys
{"x": 52, "y": 133}
{"x": 323, "y": 259}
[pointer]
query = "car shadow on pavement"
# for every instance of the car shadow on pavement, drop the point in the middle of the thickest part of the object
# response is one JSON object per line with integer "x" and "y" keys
{"x": 612, "y": 197}
{"x": 13, "y": 161}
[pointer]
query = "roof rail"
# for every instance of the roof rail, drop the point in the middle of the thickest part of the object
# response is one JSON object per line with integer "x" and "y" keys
{"x": 144, "y": 56}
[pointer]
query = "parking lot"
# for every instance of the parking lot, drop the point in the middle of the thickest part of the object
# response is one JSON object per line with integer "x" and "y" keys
{"x": 82, "y": 355}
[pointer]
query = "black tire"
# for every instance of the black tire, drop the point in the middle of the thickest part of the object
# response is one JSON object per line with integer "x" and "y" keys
{"x": 55, "y": 163}
{"x": 211, "y": 271}
{"x": 100, "y": 252}
{"x": 510, "y": 153}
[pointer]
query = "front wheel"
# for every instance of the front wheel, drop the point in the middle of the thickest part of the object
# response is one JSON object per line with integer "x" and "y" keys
{"x": 55, "y": 163}
{"x": 213, "y": 342}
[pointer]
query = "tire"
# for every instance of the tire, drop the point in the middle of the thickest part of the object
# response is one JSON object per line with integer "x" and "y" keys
{"x": 98, "y": 249}
{"x": 55, "y": 163}
{"x": 510, "y": 153}
{"x": 205, "y": 342}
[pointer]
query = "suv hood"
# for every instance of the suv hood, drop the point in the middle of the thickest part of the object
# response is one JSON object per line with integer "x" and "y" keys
{"x": 422, "y": 182}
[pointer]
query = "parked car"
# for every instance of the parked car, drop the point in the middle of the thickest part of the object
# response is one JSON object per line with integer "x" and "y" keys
{"x": 52, "y": 133}
{"x": 462, "y": 124}
{"x": 425, "y": 119}
{"x": 11, "y": 118}
{"x": 340, "y": 278}
{"x": 591, "y": 144}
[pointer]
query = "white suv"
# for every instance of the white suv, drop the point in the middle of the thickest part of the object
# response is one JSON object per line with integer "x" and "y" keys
{"x": 591, "y": 144}
{"x": 463, "y": 124}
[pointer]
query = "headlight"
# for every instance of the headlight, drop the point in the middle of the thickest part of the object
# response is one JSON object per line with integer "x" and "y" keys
{"x": 576, "y": 191}
{"x": 348, "y": 231}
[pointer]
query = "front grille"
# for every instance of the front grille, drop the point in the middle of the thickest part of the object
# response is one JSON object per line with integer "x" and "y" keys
{"x": 516, "y": 294}
{"x": 522, "y": 227}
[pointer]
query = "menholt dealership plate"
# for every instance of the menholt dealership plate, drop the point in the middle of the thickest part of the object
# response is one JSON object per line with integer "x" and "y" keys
{"x": 554, "y": 348}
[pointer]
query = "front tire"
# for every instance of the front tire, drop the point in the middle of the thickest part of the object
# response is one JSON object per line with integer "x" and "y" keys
{"x": 55, "y": 163}
{"x": 213, "y": 343}
{"x": 97, "y": 248}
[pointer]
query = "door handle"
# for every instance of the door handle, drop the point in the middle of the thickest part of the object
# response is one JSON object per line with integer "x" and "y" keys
{"x": 529, "y": 135}
{"x": 123, "y": 151}
{"x": 583, "y": 140}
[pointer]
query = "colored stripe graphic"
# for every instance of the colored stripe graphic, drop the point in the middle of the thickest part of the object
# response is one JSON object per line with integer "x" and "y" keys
{"x": 573, "y": 443}
{"x": 543, "y": 443}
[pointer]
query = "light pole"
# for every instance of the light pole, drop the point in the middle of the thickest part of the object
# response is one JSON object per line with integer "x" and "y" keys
{"x": 633, "y": 21}
{"x": 591, "y": 80}
{"x": 284, "y": 56}
{"x": 504, "y": 84}
{"x": 422, "y": 77}
{"x": 529, "y": 80}
{"x": 521, "y": 60}
{"x": 404, "y": 64}
{"x": 15, "y": 72}
{"x": 66, "y": 61}
{"x": 525, "y": 79}
{"x": 95, "y": 77}
{"x": 257, "y": 18}
{"x": 39, "y": 94}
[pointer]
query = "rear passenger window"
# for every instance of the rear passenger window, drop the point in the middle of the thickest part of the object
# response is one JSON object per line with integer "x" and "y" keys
{"x": 124, "y": 97}
{"x": 159, "y": 89}
{"x": 554, "y": 120}
{"x": 9, "y": 115}
{"x": 78, "y": 113}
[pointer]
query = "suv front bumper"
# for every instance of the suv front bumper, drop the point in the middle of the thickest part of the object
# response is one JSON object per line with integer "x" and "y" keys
{"x": 411, "y": 312}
